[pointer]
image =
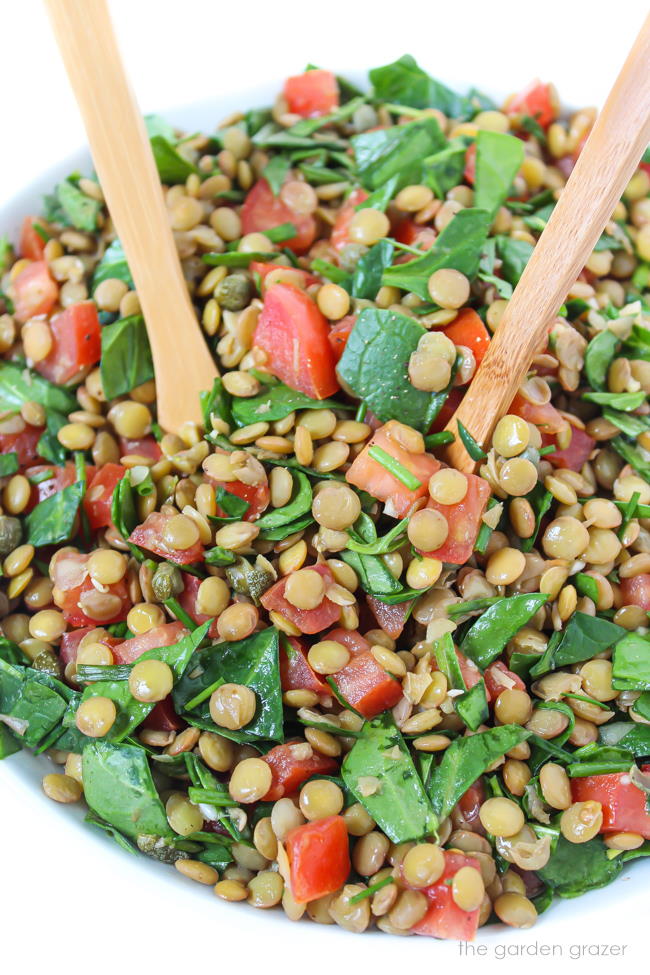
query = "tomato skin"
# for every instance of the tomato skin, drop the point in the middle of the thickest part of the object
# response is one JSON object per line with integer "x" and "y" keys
{"x": 31, "y": 244}
{"x": 161, "y": 636}
{"x": 449, "y": 407}
{"x": 311, "y": 94}
{"x": 264, "y": 268}
{"x": 99, "y": 495}
{"x": 407, "y": 231}
{"x": 339, "y": 334}
{"x": 296, "y": 674}
{"x": 187, "y": 600}
{"x": 307, "y": 620}
{"x": 70, "y": 641}
{"x": 624, "y": 804}
{"x": 391, "y": 619}
{"x": 468, "y": 329}
{"x": 144, "y": 447}
{"x": 319, "y": 858}
{"x": 262, "y": 211}
{"x": 575, "y": 455}
{"x": 76, "y": 616}
{"x": 257, "y": 496}
{"x": 363, "y": 682}
{"x": 162, "y": 717}
{"x": 35, "y": 291}
{"x": 61, "y": 477}
{"x": 290, "y": 772}
{"x": 543, "y": 415}
{"x": 294, "y": 334}
{"x": 371, "y": 476}
{"x": 149, "y": 535}
{"x": 498, "y": 678}
{"x": 469, "y": 172}
{"x": 636, "y": 591}
{"x": 535, "y": 100}
{"x": 76, "y": 343}
{"x": 469, "y": 671}
{"x": 464, "y": 520}
{"x": 340, "y": 236}
{"x": 445, "y": 919}
{"x": 24, "y": 444}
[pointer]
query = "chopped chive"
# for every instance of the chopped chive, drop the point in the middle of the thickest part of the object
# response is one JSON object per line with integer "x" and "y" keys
{"x": 369, "y": 891}
{"x": 586, "y": 585}
{"x": 588, "y": 700}
{"x": 175, "y": 607}
{"x": 473, "y": 448}
{"x": 210, "y": 796}
{"x": 438, "y": 439}
{"x": 629, "y": 512}
{"x": 394, "y": 467}
{"x": 361, "y": 412}
{"x": 285, "y": 231}
{"x": 543, "y": 451}
{"x": 41, "y": 231}
{"x": 202, "y": 695}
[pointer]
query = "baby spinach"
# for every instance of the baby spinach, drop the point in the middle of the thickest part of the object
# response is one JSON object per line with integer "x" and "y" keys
{"x": 399, "y": 805}
{"x": 366, "y": 280}
{"x": 298, "y": 506}
{"x": 629, "y": 423}
{"x": 112, "y": 265}
{"x": 374, "y": 365}
{"x": 395, "y": 151}
{"x": 275, "y": 402}
{"x": 157, "y": 125}
{"x": 276, "y": 171}
{"x": 468, "y": 758}
{"x": 641, "y": 706}
{"x": 376, "y": 579}
{"x": 9, "y": 743}
{"x": 29, "y": 706}
{"x": 632, "y": 455}
{"x": 487, "y": 637}
{"x": 406, "y": 83}
{"x": 126, "y": 356}
{"x": 575, "y": 868}
{"x": 119, "y": 788}
{"x": 498, "y": 159}
{"x": 380, "y": 198}
{"x": 540, "y": 500}
{"x": 458, "y": 246}
{"x": 172, "y": 167}
{"x": 53, "y": 519}
{"x": 444, "y": 169}
{"x": 216, "y": 402}
{"x": 634, "y": 737}
{"x": 472, "y": 707}
{"x": 514, "y": 255}
{"x": 595, "y": 759}
{"x": 281, "y": 532}
{"x": 618, "y": 401}
{"x": 631, "y": 663}
{"x": 598, "y": 356}
{"x": 234, "y": 507}
{"x": 8, "y": 464}
{"x": 583, "y": 637}
{"x": 49, "y": 446}
{"x": 79, "y": 210}
{"x": 379, "y": 546}
{"x": 19, "y": 385}
{"x": 586, "y": 585}
{"x": 252, "y": 662}
{"x": 444, "y": 652}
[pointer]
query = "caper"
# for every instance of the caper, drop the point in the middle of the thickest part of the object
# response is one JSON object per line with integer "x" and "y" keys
{"x": 160, "y": 849}
{"x": 10, "y": 534}
{"x": 234, "y": 292}
{"x": 249, "y": 580}
{"x": 167, "y": 582}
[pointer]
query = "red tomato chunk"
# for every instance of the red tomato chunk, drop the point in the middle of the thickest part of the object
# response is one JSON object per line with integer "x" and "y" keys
{"x": 149, "y": 535}
{"x": 296, "y": 673}
{"x": 80, "y": 602}
{"x": 99, "y": 495}
{"x": 319, "y": 858}
{"x": 23, "y": 443}
{"x": 161, "y": 636}
{"x": 445, "y": 919}
{"x": 32, "y": 244}
{"x": 312, "y": 94}
{"x": 289, "y": 770}
{"x": 307, "y": 620}
{"x": 624, "y": 804}
{"x": 575, "y": 455}
{"x": 262, "y": 210}
{"x": 464, "y": 521}
{"x": 636, "y": 591}
{"x": 35, "y": 291}
{"x": 364, "y": 683}
{"x": 76, "y": 343}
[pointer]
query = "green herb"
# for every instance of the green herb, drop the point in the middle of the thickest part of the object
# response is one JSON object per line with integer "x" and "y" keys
{"x": 530, "y": 124}
{"x": 641, "y": 706}
{"x": 514, "y": 255}
{"x": 472, "y": 707}
{"x": 8, "y": 464}
{"x": 399, "y": 803}
{"x": 49, "y": 447}
{"x": 583, "y": 638}
{"x": 289, "y": 528}
{"x": 6, "y": 251}
{"x": 53, "y": 519}
{"x": 299, "y": 504}
{"x": 473, "y": 448}
{"x": 471, "y": 606}
{"x": 631, "y": 663}
{"x": 635, "y": 738}
{"x": 498, "y": 160}
{"x": 234, "y": 507}
{"x": 366, "y": 280}
{"x": 376, "y": 579}
{"x": 598, "y": 356}
{"x": 157, "y": 125}
{"x": 276, "y": 171}
{"x": 406, "y": 83}
{"x": 372, "y": 889}
{"x": 126, "y": 356}
{"x": 632, "y": 455}
{"x": 468, "y": 758}
{"x": 380, "y": 198}
{"x": 433, "y": 440}
{"x": 275, "y": 403}
{"x": 619, "y": 401}
{"x": 488, "y": 636}
{"x": 30, "y": 703}
{"x": 80, "y": 211}
{"x": 172, "y": 167}
{"x": 540, "y": 500}
{"x": 485, "y": 531}
{"x": 629, "y": 423}
{"x": 19, "y": 385}
{"x": 398, "y": 471}
{"x": 458, "y": 246}
{"x": 444, "y": 169}
{"x": 395, "y": 151}
{"x": 217, "y": 402}
{"x": 237, "y": 258}
{"x": 380, "y": 546}
{"x": 9, "y": 743}
{"x": 586, "y": 585}
{"x": 575, "y": 868}
{"x": 112, "y": 265}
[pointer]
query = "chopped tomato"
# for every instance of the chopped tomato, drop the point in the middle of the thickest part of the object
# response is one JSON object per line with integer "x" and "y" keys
{"x": 70, "y": 641}
{"x": 294, "y": 334}
{"x": 464, "y": 521}
{"x": 289, "y": 771}
{"x": 163, "y": 717}
{"x": 307, "y": 620}
{"x": 352, "y": 639}
{"x": 149, "y": 535}
{"x": 449, "y": 407}
{"x": 24, "y": 444}
{"x": 262, "y": 210}
{"x": 407, "y": 231}
{"x": 76, "y": 343}
{"x": 76, "y": 596}
{"x": 624, "y": 804}
{"x": 264, "y": 268}
{"x": 543, "y": 415}
{"x": 469, "y": 172}
{"x": 144, "y": 447}
{"x": 60, "y": 477}
{"x": 311, "y": 94}
{"x": 498, "y": 678}
{"x": 535, "y": 100}
{"x": 469, "y": 806}
{"x": 635, "y": 591}
{"x": 363, "y": 682}
{"x": 296, "y": 673}
{"x": 161, "y": 636}
{"x": 467, "y": 329}
{"x": 99, "y": 495}
{"x": 470, "y": 672}
{"x": 340, "y": 236}
{"x": 371, "y": 476}
{"x": 35, "y": 291}
{"x": 339, "y": 335}
{"x": 445, "y": 919}
{"x": 31, "y": 243}
{"x": 575, "y": 455}
{"x": 391, "y": 619}
{"x": 319, "y": 858}
{"x": 187, "y": 600}
{"x": 256, "y": 495}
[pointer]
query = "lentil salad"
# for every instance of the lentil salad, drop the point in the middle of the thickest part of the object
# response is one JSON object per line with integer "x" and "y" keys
{"x": 291, "y": 652}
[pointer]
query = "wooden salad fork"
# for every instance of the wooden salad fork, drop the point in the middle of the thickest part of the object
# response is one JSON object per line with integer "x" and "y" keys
{"x": 129, "y": 179}
{"x": 604, "y": 167}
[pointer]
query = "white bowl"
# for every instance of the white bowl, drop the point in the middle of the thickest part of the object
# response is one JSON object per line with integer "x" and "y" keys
{"x": 73, "y": 857}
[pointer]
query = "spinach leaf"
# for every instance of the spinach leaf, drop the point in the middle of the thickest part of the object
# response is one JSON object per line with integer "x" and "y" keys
{"x": 10, "y": 652}
{"x": 444, "y": 169}
{"x": 498, "y": 159}
{"x": 123, "y": 512}
{"x": 641, "y": 706}
{"x": 217, "y": 402}
{"x": 380, "y": 198}
{"x": 18, "y": 385}
{"x": 635, "y": 738}
{"x": 29, "y": 707}
{"x": 586, "y": 585}
{"x": 156, "y": 125}
{"x": 252, "y": 662}
{"x": 126, "y": 356}
{"x": 113, "y": 265}
{"x": 53, "y": 519}
{"x": 234, "y": 506}
{"x": 514, "y": 255}
{"x": 395, "y": 151}
{"x": 122, "y": 841}
{"x": 637, "y": 344}
{"x": 583, "y": 637}
{"x": 374, "y": 364}
{"x": 80, "y": 211}
{"x": 406, "y": 83}
{"x": 172, "y": 167}
{"x": 379, "y": 546}
{"x": 444, "y": 652}
{"x": 366, "y": 281}
{"x": 376, "y": 579}
{"x": 632, "y": 455}
{"x": 598, "y": 356}
{"x": 631, "y": 663}
{"x": 119, "y": 788}
{"x": 8, "y": 464}
{"x": 629, "y": 423}
{"x": 276, "y": 171}
{"x": 575, "y": 868}
{"x": 398, "y": 802}
{"x": 619, "y": 401}
{"x": 540, "y": 500}
{"x": 472, "y": 707}
{"x": 458, "y": 246}
{"x": 9, "y": 743}
{"x": 487, "y": 637}
{"x": 48, "y": 445}
{"x": 275, "y": 403}
{"x": 281, "y": 532}
{"x": 5, "y": 253}
{"x": 468, "y": 758}
{"x": 299, "y": 505}
{"x": 595, "y": 759}
{"x": 237, "y": 258}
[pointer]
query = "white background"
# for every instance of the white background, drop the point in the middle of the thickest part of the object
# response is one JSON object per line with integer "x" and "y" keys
{"x": 69, "y": 901}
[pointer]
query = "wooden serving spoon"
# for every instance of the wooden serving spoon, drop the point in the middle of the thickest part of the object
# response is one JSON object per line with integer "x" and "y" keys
{"x": 603, "y": 169}
{"x": 127, "y": 172}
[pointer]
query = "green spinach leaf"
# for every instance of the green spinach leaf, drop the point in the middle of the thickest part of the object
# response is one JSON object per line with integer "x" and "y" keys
{"x": 444, "y": 169}
{"x": 498, "y": 159}
{"x": 8, "y": 464}
{"x": 488, "y": 636}
{"x": 396, "y": 151}
{"x": 618, "y": 401}
{"x": 366, "y": 280}
{"x": 298, "y": 506}
{"x": 275, "y": 403}
{"x": 598, "y": 356}
{"x": 112, "y": 265}
{"x": 514, "y": 255}
{"x": 172, "y": 167}
{"x": 583, "y": 637}
{"x": 404, "y": 82}
{"x": 53, "y": 519}
{"x": 575, "y": 868}
{"x": 18, "y": 385}
{"x": 126, "y": 356}
{"x": 81, "y": 211}
{"x": 472, "y": 707}
{"x": 631, "y": 663}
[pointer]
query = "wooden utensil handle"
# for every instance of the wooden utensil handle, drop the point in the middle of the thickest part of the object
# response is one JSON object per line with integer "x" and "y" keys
{"x": 603, "y": 169}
